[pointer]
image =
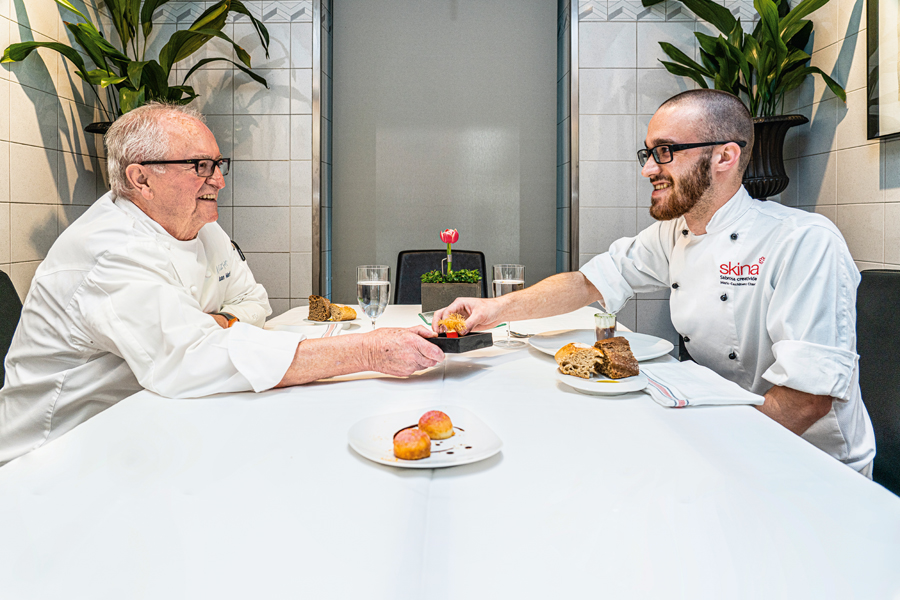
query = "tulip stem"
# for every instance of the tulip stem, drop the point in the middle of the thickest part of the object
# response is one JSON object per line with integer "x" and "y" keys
{"x": 449, "y": 259}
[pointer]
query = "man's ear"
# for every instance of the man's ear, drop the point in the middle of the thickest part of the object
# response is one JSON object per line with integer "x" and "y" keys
{"x": 137, "y": 177}
{"x": 727, "y": 158}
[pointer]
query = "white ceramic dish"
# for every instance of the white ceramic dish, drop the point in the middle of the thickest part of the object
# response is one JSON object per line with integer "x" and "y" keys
{"x": 643, "y": 346}
{"x": 601, "y": 386}
{"x": 373, "y": 438}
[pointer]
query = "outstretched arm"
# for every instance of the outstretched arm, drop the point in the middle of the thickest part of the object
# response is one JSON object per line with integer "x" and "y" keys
{"x": 555, "y": 295}
{"x": 795, "y": 410}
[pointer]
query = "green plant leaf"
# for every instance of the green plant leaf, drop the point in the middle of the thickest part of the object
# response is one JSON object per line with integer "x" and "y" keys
{"x": 649, "y": 3}
{"x": 21, "y": 50}
{"x": 682, "y": 71}
{"x": 205, "y": 61}
{"x": 181, "y": 94}
{"x": 261, "y": 31}
{"x": 147, "y": 11}
{"x": 117, "y": 10}
{"x": 184, "y": 43}
{"x": 707, "y": 42}
{"x": 682, "y": 58}
{"x": 70, "y": 6}
{"x": 719, "y": 16}
{"x": 108, "y": 81}
{"x": 130, "y": 99}
{"x": 803, "y": 9}
{"x": 88, "y": 40}
{"x": 213, "y": 17}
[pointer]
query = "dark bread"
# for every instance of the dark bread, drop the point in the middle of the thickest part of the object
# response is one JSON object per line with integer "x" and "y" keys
{"x": 618, "y": 360}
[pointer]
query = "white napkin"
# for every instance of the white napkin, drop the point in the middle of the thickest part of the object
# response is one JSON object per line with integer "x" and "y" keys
{"x": 680, "y": 384}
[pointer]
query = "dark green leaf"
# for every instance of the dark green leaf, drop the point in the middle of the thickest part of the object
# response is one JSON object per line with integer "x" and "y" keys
{"x": 88, "y": 40}
{"x": 130, "y": 99}
{"x": 682, "y": 71}
{"x": 147, "y": 11}
{"x": 261, "y": 31}
{"x": 803, "y": 9}
{"x": 649, "y": 3}
{"x": 680, "y": 57}
{"x": 70, "y": 6}
{"x": 213, "y": 17}
{"x": 17, "y": 52}
{"x": 205, "y": 61}
{"x": 719, "y": 16}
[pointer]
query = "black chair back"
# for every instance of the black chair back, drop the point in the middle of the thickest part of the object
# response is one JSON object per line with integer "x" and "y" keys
{"x": 877, "y": 340}
{"x": 10, "y": 311}
{"x": 412, "y": 264}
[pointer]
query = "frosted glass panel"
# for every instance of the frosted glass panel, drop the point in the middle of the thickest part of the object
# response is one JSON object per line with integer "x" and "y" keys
{"x": 444, "y": 116}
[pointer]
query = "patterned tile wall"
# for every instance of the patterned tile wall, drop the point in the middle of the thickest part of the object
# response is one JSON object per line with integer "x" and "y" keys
{"x": 834, "y": 170}
{"x": 50, "y": 171}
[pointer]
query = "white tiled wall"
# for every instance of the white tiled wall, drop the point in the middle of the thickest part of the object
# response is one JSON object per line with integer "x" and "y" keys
{"x": 51, "y": 171}
{"x": 834, "y": 170}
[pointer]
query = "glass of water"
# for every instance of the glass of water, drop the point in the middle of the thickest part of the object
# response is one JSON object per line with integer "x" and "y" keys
{"x": 373, "y": 289}
{"x": 508, "y": 278}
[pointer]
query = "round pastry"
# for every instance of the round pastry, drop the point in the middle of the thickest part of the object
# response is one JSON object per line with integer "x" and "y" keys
{"x": 436, "y": 424}
{"x": 412, "y": 444}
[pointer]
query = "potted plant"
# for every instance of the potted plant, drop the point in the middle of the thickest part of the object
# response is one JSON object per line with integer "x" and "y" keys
{"x": 440, "y": 288}
{"x": 760, "y": 68}
{"x": 128, "y": 76}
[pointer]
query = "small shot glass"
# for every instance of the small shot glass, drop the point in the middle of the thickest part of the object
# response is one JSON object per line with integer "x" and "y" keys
{"x": 604, "y": 325}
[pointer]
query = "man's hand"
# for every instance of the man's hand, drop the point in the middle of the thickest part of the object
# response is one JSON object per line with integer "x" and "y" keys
{"x": 222, "y": 321}
{"x": 401, "y": 352}
{"x": 795, "y": 410}
{"x": 480, "y": 313}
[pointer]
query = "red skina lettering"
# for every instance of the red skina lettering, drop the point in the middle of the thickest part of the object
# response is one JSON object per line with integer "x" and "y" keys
{"x": 738, "y": 269}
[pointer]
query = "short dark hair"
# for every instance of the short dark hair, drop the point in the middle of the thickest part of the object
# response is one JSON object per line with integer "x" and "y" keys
{"x": 726, "y": 118}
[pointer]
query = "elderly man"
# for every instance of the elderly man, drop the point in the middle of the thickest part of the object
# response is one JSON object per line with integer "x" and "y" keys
{"x": 763, "y": 294}
{"x": 146, "y": 291}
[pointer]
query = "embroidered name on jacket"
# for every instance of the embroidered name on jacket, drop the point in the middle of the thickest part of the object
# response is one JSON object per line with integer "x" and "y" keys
{"x": 738, "y": 274}
{"x": 221, "y": 267}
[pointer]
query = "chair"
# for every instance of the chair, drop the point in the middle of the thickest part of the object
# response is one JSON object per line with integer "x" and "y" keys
{"x": 877, "y": 340}
{"x": 10, "y": 311}
{"x": 412, "y": 264}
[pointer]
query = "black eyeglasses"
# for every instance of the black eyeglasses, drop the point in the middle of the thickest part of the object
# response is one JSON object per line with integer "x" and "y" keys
{"x": 205, "y": 167}
{"x": 666, "y": 153}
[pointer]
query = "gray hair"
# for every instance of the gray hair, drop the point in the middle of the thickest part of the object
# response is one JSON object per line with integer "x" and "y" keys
{"x": 725, "y": 118}
{"x": 140, "y": 135}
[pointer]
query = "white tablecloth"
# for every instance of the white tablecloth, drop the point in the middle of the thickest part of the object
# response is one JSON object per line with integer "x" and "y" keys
{"x": 260, "y": 496}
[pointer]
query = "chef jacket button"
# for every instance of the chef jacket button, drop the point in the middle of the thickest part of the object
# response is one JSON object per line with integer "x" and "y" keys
{"x": 734, "y": 236}
{"x": 686, "y": 339}
{"x": 684, "y": 232}
{"x": 732, "y": 356}
{"x": 723, "y": 297}
{"x": 168, "y": 246}
{"x": 193, "y": 289}
{"x": 675, "y": 286}
{"x": 209, "y": 273}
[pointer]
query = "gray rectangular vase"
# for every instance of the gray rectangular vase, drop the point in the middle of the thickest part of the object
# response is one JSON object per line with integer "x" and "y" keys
{"x": 439, "y": 295}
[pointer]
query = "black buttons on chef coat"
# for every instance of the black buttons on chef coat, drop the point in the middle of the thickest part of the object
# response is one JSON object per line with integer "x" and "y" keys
{"x": 684, "y": 232}
{"x": 732, "y": 356}
{"x": 734, "y": 236}
{"x": 723, "y": 297}
{"x": 686, "y": 339}
{"x": 675, "y": 286}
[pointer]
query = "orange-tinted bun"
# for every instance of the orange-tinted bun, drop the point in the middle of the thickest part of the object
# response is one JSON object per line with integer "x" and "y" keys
{"x": 412, "y": 444}
{"x": 436, "y": 424}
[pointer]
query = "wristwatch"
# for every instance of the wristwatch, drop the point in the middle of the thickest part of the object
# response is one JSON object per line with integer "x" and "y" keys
{"x": 228, "y": 317}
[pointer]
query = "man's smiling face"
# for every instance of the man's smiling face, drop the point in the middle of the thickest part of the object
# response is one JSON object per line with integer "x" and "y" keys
{"x": 183, "y": 202}
{"x": 680, "y": 184}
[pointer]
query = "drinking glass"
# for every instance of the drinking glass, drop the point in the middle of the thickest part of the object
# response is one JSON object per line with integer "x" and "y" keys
{"x": 373, "y": 289}
{"x": 508, "y": 278}
{"x": 604, "y": 325}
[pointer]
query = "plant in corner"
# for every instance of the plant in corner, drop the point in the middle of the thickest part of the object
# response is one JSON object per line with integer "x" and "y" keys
{"x": 126, "y": 74}
{"x": 439, "y": 289}
{"x": 760, "y": 68}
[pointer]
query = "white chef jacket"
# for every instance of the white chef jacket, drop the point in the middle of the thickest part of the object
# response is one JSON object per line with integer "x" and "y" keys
{"x": 767, "y": 296}
{"x": 120, "y": 305}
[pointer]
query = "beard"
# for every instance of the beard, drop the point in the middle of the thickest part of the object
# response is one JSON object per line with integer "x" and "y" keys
{"x": 684, "y": 192}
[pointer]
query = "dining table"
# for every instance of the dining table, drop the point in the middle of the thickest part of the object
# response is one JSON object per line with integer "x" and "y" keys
{"x": 262, "y": 495}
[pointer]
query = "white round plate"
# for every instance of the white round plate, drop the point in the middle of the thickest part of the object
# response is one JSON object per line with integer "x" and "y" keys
{"x": 600, "y": 386}
{"x": 643, "y": 346}
{"x": 373, "y": 438}
{"x": 356, "y": 320}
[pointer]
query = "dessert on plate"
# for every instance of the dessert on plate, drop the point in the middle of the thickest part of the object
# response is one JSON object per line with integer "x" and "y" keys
{"x": 412, "y": 444}
{"x": 436, "y": 424}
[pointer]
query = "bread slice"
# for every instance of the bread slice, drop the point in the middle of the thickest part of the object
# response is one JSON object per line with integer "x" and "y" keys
{"x": 579, "y": 360}
{"x": 618, "y": 361}
{"x": 342, "y": 313}
{"x": 319, "y": 308}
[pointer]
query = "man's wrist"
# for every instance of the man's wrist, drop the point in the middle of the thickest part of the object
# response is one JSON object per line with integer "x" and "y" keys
{"x": 229, "y": 318}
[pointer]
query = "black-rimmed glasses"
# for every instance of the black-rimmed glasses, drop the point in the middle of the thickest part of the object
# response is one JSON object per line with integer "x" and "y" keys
{"x": 665, "y": 153}
{"x": 205, "y": 167}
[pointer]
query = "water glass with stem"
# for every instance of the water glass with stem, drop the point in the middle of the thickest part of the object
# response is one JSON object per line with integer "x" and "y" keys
{"x": 508, "y": 278}
{"x": 373, "y": 289}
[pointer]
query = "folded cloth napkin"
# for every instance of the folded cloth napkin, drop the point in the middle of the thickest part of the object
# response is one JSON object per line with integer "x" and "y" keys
{"x": 680, "y": 384}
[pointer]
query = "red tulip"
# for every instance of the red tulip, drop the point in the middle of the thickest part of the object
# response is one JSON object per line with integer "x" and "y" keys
{"x": 449, "y": 236}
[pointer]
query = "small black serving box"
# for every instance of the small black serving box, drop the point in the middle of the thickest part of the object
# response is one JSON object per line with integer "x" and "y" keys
{"x": 472, "y": 341}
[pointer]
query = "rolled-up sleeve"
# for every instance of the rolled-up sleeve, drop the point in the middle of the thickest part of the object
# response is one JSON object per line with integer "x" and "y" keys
{"x": 634, "y": 264}
{"x": 131, "y": 305}
{"x": 812, "y": 315}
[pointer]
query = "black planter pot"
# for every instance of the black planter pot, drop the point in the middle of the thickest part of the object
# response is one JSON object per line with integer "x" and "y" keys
{"x": 765, "y": 175}
{"x": 101, "y": 127}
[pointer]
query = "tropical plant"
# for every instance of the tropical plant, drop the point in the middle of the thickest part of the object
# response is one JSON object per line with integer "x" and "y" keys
{"x": 760, "y": 67}
{"x": 127, "y": 75}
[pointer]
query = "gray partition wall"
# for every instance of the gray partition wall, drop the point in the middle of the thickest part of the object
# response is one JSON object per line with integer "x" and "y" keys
{"x": 444, "y": 115}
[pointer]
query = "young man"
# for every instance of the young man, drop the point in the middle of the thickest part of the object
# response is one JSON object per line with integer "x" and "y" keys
{"x": 763, "y": 294}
